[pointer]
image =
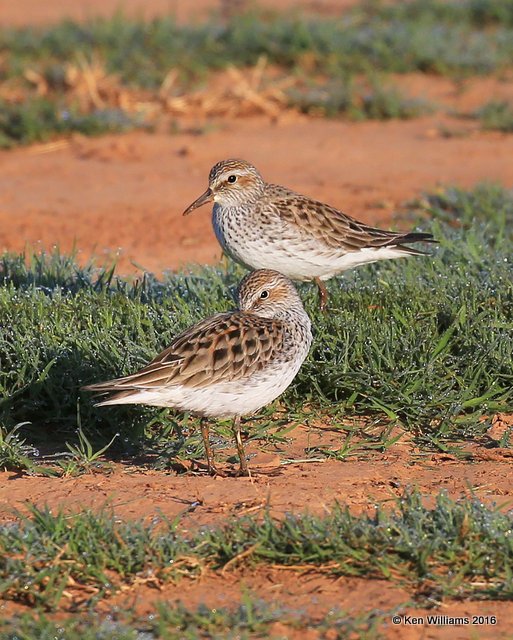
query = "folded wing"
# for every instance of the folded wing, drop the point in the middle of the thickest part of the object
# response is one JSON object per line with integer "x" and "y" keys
{"x": 333, "y": 227}
{"x": 225, "y": 347}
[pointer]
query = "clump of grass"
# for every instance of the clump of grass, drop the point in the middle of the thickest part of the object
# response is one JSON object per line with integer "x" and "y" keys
{"x": 496, "y": 115}
{"x": 40, "y": 119}
{"x": 56, "y": 272}
{"x": 82, "y": 457}
{"x": 375, "y": 102}
{"x": 488, "y": 206}
{"x": 329, "y": 99}
{"x": 15, "y": 453}
{"x": 385, "y": 103}
{"x": 175, "y": 622}
{"x": 457, "y": 548}
{"x": 480, "y": 13}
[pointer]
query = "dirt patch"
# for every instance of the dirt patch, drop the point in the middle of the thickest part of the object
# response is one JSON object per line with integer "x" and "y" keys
{"x": 35, "y": 13}
{"x": 122, "y": 197}
{"x": 361, "y": 482}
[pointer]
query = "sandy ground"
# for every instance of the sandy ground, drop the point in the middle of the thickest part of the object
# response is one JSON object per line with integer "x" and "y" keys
{"x": 121, "y": 197}
{"x": 361, "y": 482}
{"x": 35, "y": 12}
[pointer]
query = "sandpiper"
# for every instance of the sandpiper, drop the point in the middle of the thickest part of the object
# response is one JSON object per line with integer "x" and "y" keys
{"x": 228, "y": 365}
{"x": 265, "y": 226}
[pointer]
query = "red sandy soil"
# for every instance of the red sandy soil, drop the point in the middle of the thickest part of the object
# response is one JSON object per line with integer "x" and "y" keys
{"x": 361, "y": 482}
{"x": 34, "y": 12}
{"x": 122, "y": 196}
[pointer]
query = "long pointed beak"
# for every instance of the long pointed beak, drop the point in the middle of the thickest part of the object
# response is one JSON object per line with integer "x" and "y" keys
{"x": 208, "y": 196}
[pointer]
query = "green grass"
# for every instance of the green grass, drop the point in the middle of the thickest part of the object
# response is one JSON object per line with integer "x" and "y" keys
{"x": 480, "y": 13}
{"x": 496, "y": 115}
{"x": 41, "y": 119}
{"x": 396, "y": 40}
{"x": 454, "y": 38}
{"x": 461, "y": 549}
{"x": 375, "y": 102}
{"x": 425, "y": 342}
{"x": 252, "y": 619}
{"x": 15, "y": 453}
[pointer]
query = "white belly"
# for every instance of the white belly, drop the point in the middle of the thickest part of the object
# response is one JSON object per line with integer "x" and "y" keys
{"x": 280, "y": 248}
{"x": 224, "y": 399}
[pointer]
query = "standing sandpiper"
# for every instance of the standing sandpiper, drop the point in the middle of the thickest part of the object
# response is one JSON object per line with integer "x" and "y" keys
{"x": 262, "y": 225}
{"x": 229, "y": 365}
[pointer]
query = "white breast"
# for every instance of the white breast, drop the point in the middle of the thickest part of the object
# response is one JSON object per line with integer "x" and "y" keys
{"x": 224, "y": 399}
{"x": 280, "y": 246}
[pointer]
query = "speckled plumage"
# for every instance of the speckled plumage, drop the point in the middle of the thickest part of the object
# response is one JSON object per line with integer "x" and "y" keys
{"x": 263, "y": 225}
{"x": 228, "y": 365}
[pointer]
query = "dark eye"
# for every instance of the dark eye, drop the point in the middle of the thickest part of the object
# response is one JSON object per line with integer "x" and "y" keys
{"x": 264, "y": 295}
{"x": 232, "y": 179}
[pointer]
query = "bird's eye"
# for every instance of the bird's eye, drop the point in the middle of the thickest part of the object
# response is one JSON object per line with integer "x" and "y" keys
{"x": 264, "y": 295}
{"x": 232, "y": 179}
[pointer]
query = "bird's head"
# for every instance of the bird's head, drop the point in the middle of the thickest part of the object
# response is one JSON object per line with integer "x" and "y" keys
{"x": 269, "y": 294}
{"x": 230, "y": 183}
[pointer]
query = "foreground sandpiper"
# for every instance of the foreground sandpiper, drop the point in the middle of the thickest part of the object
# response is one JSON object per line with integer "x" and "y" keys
{"x": 228, "y": 365}
{"x": 265, "y": 226}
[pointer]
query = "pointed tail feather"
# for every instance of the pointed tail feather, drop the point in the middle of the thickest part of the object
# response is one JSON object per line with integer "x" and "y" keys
{"x": 406, "y": 238}
{"x": 116, "y": 393}
{"x": 414, "y": 236}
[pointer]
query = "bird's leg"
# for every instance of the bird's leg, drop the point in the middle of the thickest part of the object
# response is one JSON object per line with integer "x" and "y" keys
{"x": 323, "y": 293}
{"x": 208, "y": 449}
{"x": 243, "y": 469}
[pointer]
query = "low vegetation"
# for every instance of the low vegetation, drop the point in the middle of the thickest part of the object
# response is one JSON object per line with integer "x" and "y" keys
{"x": 455, "y": 548}
{"x": 40, "y": 119}
{"x": 479, "y": 13}
{"x": 253, "y": 618}
{"x": 497, "y": 115}
{"x": 456, "y": 37}
{"x": 425, "y": 343}
{"x": 112, "y": 74}
{"x": 370, "y": 100}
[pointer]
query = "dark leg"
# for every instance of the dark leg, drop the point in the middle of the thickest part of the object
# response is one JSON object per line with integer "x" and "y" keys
{"x": 243, "y": 469}
{"x": 208, "y": 450}
{"x": 323, "y": 293}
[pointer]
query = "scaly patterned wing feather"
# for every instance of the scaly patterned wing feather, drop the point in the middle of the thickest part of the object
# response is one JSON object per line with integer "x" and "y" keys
{"x": 329, "y": 225}
{"x": 225, "y": 347}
